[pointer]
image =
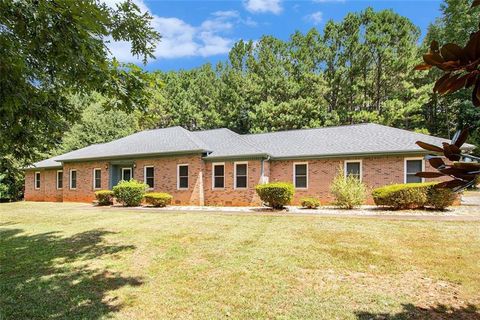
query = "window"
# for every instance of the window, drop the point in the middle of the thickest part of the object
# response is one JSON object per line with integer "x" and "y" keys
{"x": 149, "y": 176}
{"x": 218, "y": 175}
{"x": 97, "y": 178}
{"x": 300, "y": 175}
{"x": 126, "y": 174}
{"x": 73, "y": 179}
{"x": 59, "y": 179}
{"x": 182, "y": 170}
{"x": 241, "y": 173}
{"x": 37, "y": 180}
{"x": 412, "y": 166}
{"x": 353, "y": 168}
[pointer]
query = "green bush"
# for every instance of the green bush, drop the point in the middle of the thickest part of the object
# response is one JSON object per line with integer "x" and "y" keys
{"x": 104, "y": 197}
{"x": 413, "y": 196}
{"x": 440, "y": 198}
{"x": 130, "y": 193}
{"x": 158, "y": 199}
{"x": 276, "y": 194}
{"x": 348, "y": 192}
{"x": 310, "y": 202}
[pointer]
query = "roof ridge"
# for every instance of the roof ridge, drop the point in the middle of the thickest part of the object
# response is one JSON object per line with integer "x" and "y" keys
{"x": 306, "y": 129}
{"x": 246, "y": 141}
{"x": 194, "y": 139}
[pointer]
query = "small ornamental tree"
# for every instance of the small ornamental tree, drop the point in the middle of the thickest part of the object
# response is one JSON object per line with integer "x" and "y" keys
{"x": 349, "y": 192}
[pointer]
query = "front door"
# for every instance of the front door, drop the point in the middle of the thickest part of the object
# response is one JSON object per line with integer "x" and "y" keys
{"x": 126, "y": 174}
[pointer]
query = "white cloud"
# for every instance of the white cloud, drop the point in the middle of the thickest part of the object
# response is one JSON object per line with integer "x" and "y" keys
{"x": 315, "y": 17}
{"x": 259, "y": 6}
{"x": 181, "y": 39}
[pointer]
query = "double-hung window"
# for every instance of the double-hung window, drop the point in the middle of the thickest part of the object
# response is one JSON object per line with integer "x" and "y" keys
{"x": 241, "y": 175}
{"x": 218, "y": 175}
{"x": 37, "y": 180}
{"x": 300, "y": 175}
{"x": 97, "y": 178}
{"x": 353, "y": 168}
{"x": 59, "y": 179}
{"x": 73, "y": 179}
{"x": 149, "y": 174}
{"x": 412, "y": 166}
{"x": 182, "y": 180}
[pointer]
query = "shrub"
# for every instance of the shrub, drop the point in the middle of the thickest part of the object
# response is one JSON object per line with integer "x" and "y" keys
{"x": 413, "y": 195}
{"x": 158, "y": 199}
{"x": 310, "y": 202}
{"x": 440, "y": 198}
{"x": 104, "y": 197}
{"x": 349, "y": 192}
{"x": 130, "y": 193}
{"x": 276, "y": 194}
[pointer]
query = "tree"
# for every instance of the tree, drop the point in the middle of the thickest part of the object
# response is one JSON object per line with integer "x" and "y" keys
{"x": 51, "y": 49}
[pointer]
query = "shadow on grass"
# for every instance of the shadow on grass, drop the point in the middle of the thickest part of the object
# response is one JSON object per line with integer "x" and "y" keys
{"x": 439, "y": 312}
{"x": 45, "y": 276}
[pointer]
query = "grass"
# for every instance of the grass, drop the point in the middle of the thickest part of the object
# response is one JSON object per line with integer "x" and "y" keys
{"x": 72, "y": 261}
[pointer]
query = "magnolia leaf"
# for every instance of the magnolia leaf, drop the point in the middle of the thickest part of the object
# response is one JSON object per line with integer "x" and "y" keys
{"x": 460, "y": 137}
{"x": 436, "y": 162}
{"x": 429, "y": 174}
{"x": 429, "y": 147}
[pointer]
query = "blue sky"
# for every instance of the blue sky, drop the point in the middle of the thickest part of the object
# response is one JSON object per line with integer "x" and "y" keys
{"x": 196, "y": 32}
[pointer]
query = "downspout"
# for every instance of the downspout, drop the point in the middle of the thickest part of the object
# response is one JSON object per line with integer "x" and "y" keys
{"x": 262, "y": 168}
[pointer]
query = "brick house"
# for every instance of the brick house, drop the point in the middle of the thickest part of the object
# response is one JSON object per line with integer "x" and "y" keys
{"x": 220, "y": 167}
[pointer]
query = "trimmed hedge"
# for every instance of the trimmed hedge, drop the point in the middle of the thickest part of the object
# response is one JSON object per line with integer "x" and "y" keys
{"x": 276, "y": 194}
{"x": 310, "y": 202}
{"x": 158, "y": 199}
{"x": 130, "y": 193}
{"x": 104, "y": 197}
{"x": 413, "y": 195}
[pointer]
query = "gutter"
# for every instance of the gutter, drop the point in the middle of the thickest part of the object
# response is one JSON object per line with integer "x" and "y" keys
{"x": 135, "y": 156}
{"x": 358, "y": 154}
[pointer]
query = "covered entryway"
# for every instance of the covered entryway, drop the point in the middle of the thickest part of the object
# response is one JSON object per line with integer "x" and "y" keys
{"x": 120, "y": 170}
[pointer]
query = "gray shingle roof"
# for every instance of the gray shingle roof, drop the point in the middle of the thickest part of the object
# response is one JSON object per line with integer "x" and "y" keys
{"x": 46, "y": 164}
{"x": 358, "y": 139}
{"x": 226, "y": 143}
{"x": 159, "y": 141}
{"x": 350, "y": 140}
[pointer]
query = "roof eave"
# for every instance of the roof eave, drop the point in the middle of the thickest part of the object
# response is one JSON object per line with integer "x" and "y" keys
{"x": 357, "y": 154}
{"x": 237, "y": 157}
{"x": 135, "y": 156}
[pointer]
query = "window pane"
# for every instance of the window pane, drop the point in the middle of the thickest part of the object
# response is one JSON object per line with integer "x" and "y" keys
{"x": 183, "y": 182}
{"x": 149, "y": 172}
{"x": 219, "y": 170}
{"x": 300, "y": 181}
{"x": 414, "y": 166}
{"x": 183, "y": 170}
{"x": 59, "y": 180}
{"x": 98, "y": 179}
{"x": 301, "y": 169}
{"x": 73, "y": 184}
{"x": 127, "y": 175}
{"x": 353, "y": 168}
{"x": 241, "y": 182}
{"x": 241, "y": 169}
{"x": 413, "y": 179}
{"x": 37, "y": 180}
{"x": 149, "y": 176}
{"x": 219, "y": 182}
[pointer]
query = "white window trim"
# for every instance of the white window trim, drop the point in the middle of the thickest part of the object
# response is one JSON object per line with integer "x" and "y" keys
{"x": 294, "y": 174}
{"x": 235, "y": 174}
{"x": 129, "y": 169}
{"x": 93, "y": 180}
{"x": 353, "y": 161}
{"x": 70, "y": 179}
{"x": 178, "y": 176}
{"x": 405, "y": 167}
{"x": 214, "y": 164}
{"x": 35, "y": 180}
{"x": 145, "y": 175}
{"x": 59, "y": 171}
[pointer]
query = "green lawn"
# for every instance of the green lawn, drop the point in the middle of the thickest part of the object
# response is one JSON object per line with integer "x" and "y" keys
{"x": 72, "y": 261}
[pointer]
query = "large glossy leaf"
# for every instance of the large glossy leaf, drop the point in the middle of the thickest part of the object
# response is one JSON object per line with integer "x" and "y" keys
{"x": 451, "y": 51}
{"x": 436, "y": 162}
{"x": 450, "y": 153}
{"x": 468, "y": 166}
{"x": 460, "y": 137}
{"x": 433, "y": 58}
{"x": 429, "y": 174}
{"x": 450, "y": 184}
{"x": 457, "y": 84}
{"x": 429, "y": 147}
{"x": 475, "y": 3}
{"x": 423, "y": 66}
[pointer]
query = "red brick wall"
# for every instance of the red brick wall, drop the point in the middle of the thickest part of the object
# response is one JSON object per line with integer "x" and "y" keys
{"x": 229, "y": 196}
{"x": 84, "y": 191}
{"x": 376, "y": 172}
{"x": 166, "y": 177}
{"x": 48, "y": 186}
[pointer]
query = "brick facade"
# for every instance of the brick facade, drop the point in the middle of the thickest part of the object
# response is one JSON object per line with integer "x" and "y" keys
{"x": 376, "y": 171}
